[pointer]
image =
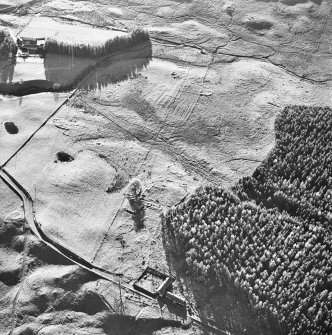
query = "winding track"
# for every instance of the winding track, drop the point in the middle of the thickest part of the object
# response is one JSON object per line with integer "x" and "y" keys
{"x": 29, "y": 213}
{"x": 65, "y": 252}
{"x": 35, "y": 227}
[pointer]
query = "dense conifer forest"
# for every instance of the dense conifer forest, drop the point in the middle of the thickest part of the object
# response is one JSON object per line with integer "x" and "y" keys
{"x": 271, "y": 238}
{"x": 94, "y": 51}
{"x": 297, "y": 176}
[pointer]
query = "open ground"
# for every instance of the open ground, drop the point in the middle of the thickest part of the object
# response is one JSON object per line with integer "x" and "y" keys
{"x": 197, "y": 106}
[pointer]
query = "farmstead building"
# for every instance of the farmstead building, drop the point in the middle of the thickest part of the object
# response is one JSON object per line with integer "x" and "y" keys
{"x": 31, "y": 45}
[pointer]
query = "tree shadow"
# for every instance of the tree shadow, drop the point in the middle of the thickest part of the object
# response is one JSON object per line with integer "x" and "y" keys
{"x": 179, "y": 311}
{"x": 71, "y": 72}
{"x": 7, "y": 67}
{"x": 138, "y": 213}
{"x": 65, "y": 73}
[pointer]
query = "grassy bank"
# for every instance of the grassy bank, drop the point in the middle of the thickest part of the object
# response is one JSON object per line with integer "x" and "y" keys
{"x": 92, "y": 51}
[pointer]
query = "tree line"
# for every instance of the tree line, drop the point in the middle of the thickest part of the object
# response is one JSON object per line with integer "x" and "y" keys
{"x": 8, "y": 46}
{"x": 115, "y": 44}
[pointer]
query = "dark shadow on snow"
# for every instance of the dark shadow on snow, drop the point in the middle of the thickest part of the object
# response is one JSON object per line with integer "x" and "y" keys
{"x": 65, "y": 73}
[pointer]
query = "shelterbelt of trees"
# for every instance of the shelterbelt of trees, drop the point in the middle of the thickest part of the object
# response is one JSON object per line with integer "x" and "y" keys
{"x": 115, "y": 44}
{"x": 8, "y": 46}
{"x": 297, "y": 176}
{"x": 272, "y": 240}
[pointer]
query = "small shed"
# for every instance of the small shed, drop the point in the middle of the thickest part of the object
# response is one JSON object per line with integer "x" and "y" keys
{"x": 31, "y": 45}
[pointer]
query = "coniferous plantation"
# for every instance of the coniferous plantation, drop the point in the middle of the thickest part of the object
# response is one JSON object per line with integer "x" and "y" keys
{"x": 273, "y": 240}
{"x": 115, "y": 44}
{"x": 297, "y": 176}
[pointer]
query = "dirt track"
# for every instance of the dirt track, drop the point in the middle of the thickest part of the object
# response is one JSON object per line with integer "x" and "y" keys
{"x": 72, "y": 257}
